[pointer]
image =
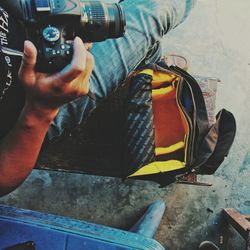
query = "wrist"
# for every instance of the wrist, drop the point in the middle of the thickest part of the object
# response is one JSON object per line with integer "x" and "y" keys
{"x": 31, "y": 114}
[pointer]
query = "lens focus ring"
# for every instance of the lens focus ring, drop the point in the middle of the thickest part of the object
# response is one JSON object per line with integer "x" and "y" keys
{"x": 100, "y": 21}
{"x": 95, "y": 13}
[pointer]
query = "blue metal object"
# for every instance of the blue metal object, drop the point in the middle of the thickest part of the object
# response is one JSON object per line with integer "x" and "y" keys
{"x": 149, "y": 222}
{"x": 50, "y": 232}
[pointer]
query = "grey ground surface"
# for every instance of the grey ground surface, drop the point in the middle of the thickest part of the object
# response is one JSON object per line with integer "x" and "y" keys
{"x": 215, "y": 39}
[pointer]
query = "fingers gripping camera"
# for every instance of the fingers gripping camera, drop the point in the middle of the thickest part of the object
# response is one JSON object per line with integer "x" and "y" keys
{"x": 53, "y": 24}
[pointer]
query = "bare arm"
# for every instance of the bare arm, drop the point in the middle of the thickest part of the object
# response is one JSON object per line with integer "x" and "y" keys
{"x": 44, "y": 95}
{"x": 20, "y": 148}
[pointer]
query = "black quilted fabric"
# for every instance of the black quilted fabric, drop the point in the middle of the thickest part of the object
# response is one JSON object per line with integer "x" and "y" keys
{"x": 139, "y": 123}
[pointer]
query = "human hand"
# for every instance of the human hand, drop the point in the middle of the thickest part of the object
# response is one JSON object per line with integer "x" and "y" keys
{"x": 46, "y": 92}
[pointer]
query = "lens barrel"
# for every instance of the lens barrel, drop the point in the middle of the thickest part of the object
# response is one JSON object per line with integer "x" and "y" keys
{"x": 101, "y": 21}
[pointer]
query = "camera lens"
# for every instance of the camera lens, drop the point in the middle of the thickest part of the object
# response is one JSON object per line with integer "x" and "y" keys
{"x": 101, "y": 21}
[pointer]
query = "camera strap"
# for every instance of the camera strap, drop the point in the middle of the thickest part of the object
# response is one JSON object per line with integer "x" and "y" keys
{"x": 10, "y": 52}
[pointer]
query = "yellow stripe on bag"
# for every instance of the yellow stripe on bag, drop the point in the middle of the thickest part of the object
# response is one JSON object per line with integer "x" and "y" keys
{"x": 159, "y": 167}
{"x": 170, "y": 149}
{"x": 147, "y": 72}
{"x": 162, "y": 91}
{"x": 158, "y": 77}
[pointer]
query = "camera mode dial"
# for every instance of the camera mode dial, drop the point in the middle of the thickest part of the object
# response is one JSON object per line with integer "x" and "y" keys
{"x": 51, "y": 34}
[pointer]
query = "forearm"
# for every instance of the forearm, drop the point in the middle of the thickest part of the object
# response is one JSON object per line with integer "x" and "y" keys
{"x": 20, "y": 148}
{"x": 45, "y": 93}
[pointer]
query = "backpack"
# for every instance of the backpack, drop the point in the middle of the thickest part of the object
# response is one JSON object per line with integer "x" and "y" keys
{"x": 168, "y": 135}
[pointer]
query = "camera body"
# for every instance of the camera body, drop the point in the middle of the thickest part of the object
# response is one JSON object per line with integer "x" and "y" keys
{"x": 53, "y": 24}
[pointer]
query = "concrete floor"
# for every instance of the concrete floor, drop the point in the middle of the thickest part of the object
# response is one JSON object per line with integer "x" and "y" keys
{"x": 215, "y": 39}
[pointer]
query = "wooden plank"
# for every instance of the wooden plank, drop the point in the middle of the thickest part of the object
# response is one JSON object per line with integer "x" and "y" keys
{"x": 238, "y": 221}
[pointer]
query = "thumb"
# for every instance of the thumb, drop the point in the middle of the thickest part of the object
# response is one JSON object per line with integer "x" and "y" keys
{"x": 27, "y": 68}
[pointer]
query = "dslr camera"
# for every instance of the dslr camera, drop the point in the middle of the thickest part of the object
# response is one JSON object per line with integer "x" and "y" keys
{"x": 53, "y": 24}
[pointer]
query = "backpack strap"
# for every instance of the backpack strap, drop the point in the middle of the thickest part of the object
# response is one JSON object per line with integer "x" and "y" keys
{"x": 226, "y": 129}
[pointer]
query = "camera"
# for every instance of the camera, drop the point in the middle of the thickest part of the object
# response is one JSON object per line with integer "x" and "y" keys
{"x": 53, "y": 24}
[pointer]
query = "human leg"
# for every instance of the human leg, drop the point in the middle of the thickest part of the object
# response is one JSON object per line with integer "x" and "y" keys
{"x": 147, "y": 22}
